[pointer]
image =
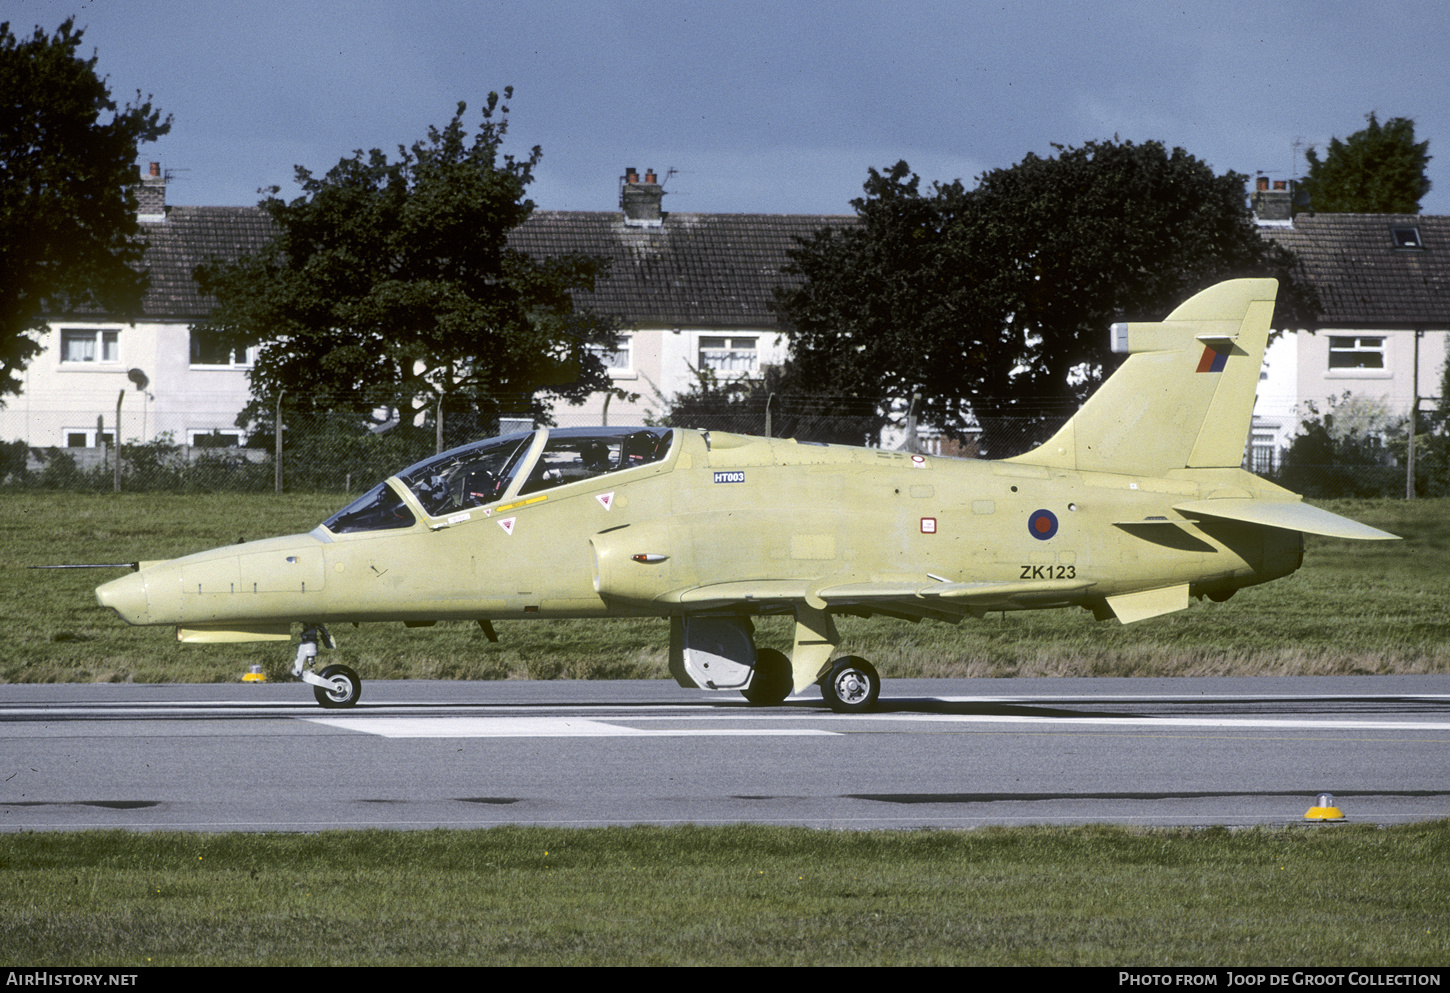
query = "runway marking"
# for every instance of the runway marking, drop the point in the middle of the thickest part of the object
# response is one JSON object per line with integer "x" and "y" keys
{"x": 530, "y": 727}
{"x": 581, "y": 727}
{"x": 1202, "y": 722}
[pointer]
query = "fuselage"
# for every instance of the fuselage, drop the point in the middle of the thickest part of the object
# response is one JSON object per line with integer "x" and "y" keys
{"x": 763, "y": 521}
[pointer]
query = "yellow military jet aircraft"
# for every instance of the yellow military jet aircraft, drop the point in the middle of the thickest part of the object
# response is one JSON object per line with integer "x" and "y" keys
{"x": 1134, "y": 507}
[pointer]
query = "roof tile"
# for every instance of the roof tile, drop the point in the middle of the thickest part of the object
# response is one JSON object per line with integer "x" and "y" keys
{"x": 1364, "y": 281}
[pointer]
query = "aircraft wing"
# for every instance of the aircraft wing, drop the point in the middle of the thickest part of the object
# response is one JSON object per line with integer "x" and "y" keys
{"x": 901, "y": 597}
{"x": 1286, "y": 515}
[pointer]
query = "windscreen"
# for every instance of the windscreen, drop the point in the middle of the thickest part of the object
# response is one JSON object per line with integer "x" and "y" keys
{"x": 379, "y": 509}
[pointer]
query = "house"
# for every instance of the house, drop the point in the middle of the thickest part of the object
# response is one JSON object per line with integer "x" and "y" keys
{"x": 695, "y": 289}
{"x": 168, "y": 381}
{"x": 1384, "y": 290}
{"x": 696, "y": 292}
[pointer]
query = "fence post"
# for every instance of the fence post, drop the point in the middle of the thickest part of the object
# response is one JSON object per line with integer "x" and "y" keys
{"x": 277, "y": 444}
{"x": 769, "y": 399}
{"x": 116, "y": 480}
{"x": 1414, "y": 424}
{"x": 438, "y": 441}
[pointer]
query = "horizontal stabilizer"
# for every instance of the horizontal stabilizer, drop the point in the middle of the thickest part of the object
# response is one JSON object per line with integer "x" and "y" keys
{"x": 1282, "y": 514}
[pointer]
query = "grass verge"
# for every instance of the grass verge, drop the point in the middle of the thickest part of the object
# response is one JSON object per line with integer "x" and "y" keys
{"x": 743, "y": 895}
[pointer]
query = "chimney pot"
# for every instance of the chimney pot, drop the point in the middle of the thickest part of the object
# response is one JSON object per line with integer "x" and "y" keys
{"x": 1274, "y": 206}
{"x": 640, "y": 202}
{"x": 155, "y": 170}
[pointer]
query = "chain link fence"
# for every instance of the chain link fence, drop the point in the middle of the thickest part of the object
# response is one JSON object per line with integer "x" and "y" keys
{"x": 348, "y": 452}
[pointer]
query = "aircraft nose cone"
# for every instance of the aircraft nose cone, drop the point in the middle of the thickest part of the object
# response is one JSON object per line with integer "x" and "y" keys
{"x": 126, "y": 596}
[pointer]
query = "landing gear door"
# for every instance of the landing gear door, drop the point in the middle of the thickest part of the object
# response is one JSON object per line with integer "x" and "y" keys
{"x": 713, "y": 653}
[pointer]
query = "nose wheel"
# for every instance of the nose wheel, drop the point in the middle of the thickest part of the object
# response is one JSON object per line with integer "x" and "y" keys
{"x": 343, "y": 688}
{"x": 852, "y": 685}
{"x": 335, "y": 686}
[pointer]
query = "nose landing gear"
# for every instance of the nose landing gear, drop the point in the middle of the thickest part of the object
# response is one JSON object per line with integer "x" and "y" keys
{"x": 336, "y": 686}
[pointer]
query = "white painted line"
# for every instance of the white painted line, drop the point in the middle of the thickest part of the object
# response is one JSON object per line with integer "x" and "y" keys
{"x": 528, "y": 727}
{"x": 1187, "y": 722}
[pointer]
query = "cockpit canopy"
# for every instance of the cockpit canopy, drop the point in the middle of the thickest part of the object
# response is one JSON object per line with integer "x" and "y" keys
{"x": 511, "y": 465}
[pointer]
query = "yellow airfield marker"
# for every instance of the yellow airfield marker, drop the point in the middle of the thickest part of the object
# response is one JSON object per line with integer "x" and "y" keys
{"x": 1324, "y": 809}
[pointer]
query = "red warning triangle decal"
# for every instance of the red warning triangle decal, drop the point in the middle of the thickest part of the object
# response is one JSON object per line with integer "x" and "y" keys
{"x": 508, "y": 525}
{"x": 606, "y": 500}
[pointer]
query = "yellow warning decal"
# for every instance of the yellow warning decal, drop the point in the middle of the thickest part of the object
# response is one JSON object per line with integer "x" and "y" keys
{"x": 520, "y": 503}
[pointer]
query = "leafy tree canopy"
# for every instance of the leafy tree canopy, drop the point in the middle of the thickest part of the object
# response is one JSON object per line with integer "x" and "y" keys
{"x": 391, "y": 282}
{"x": 776, "y": 404}
{"x": 995, "y": 302}
{"x": 68, "y": 231}
{"x": 1380, "y": 170}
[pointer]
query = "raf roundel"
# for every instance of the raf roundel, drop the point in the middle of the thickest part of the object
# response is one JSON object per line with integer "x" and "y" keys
{"x": 1042, "y": 524}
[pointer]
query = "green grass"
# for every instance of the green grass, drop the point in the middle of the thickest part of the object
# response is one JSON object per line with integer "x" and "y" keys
{"x": 731, "y": 896}
{"x": 1354, "y": 608}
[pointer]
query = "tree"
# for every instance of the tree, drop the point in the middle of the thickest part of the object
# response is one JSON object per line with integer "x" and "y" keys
{"x": 68, "y": 231}
{"x": 391, "y": 283}
{"x": 1380, "y": 170}
{"x": 795, "y": 411}
{"x": 1353, "y": 449}
{"x": 994, "y": 303}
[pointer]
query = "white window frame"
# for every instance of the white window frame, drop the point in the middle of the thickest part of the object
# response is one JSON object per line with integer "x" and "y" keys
{"x": 735, "y": 355}
{"x": 248, "y": 357}
{"x": 90, "y": 436}
{"x": 99, "y": 340}
{"x": 1358, "y": 345}
{"x": 611, "y": 357}
{"x": 193, "y": 433}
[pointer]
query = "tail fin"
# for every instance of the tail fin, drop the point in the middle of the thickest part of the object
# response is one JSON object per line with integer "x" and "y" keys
{"x": 1184, "y": 397}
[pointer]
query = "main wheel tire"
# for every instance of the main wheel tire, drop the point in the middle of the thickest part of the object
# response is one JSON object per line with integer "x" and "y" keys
{"x": 852, "y": 685}
{"x": 346, "y": 691}
{"x": 771, "y": 681}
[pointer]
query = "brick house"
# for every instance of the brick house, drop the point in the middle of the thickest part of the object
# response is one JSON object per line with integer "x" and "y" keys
{"x": 1384, "y": 290}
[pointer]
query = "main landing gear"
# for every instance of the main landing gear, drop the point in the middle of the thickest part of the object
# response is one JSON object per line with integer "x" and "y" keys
{"x": 852, "y": 685}
{"x": 336, "y": 686}
{"x": 718, "y": 652}
{"x": 770, "y": 683}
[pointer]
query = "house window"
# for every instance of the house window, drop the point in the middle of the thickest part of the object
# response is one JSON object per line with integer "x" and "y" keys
{"x": 618, "y": 361}
{"x": 1261, "y": 452}
{"x": 1406, "y": 237}
{"x": 207, "y": 350}
{"x": 84, "y": 438}
{"x": 79, "y": 345}
{"x": 213, "y": 438}
{"x": 1356, "y": 353}
{"x": 729, "y": 355}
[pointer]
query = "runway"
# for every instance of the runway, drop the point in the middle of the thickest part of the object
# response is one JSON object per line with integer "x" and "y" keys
{"x": 937, "y": 754}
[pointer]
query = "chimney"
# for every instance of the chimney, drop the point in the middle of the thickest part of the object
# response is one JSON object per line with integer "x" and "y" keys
{"x": 1273, "y": 207}
{"x": 151, "y": 196}
{"x": 641, "y": 201}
